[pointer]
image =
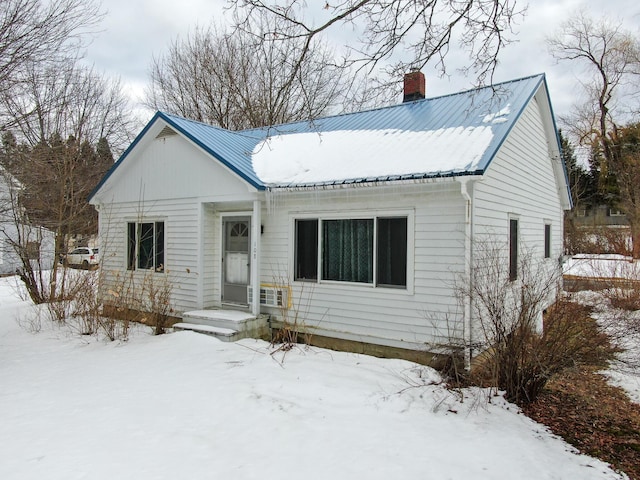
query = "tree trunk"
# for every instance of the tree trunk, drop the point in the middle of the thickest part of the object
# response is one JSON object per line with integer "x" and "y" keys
{"x": 635, "y": 239}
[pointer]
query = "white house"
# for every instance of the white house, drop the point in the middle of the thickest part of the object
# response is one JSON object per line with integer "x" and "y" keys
{"x": 357, "y": 223}
{"x": 34, "y": 243}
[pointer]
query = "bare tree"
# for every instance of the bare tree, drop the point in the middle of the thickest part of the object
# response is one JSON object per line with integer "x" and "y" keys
{"x": 70, "y": 100}
{"x": 242, "y": 80}
{"x": 408, "y": 33}
{"x": 45, "y": 192}
{"x": 36, "y": 31}
{"x": 609, "y": 58}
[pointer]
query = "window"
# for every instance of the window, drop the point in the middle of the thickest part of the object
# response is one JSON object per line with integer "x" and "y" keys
{"x": 33, "y": 250}
{"x": 547, "y": 240}
{"x": 513, "y": 249}
{"x": 392, "y": 251}
{"x": 145, "y": 246}
{"x": 365, "y": 250}
{"x": 306, "y": 250}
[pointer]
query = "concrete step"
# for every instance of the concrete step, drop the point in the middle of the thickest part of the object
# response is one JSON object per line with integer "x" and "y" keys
{"x": 224, "y": 334}
{"x": 244, "y": 324}
{"x": 232, "y": 319}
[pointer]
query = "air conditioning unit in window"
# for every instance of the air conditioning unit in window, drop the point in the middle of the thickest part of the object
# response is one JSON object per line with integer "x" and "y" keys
{"x": 270, "y": 296}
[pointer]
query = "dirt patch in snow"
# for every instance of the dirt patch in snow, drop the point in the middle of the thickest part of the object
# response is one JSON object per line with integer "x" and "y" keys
{"x": 595, "y": 417}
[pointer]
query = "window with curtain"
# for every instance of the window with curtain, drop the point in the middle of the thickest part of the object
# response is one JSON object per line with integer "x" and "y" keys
{"x": 145, "y": 246}
{"x": 367, "y": 250}
{"x": 347, "y": 250}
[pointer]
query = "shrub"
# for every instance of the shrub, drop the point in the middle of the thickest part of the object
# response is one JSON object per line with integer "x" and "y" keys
{"x": 520, "y": 348}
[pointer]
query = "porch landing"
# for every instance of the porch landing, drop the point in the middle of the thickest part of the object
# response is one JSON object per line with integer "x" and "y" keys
{"x": 227, "y": 325}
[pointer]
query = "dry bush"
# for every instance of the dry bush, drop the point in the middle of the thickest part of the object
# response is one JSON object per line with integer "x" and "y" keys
{"x": 520, "y": 349}
{"x": 293, "y": 329}
{"x": 526, "y": 360}
{"x": 597, "y": 240}
{"x": 618, "y": 279}
{"x": 624, "y": 297}
{"x": 146, "y": 300}
{"x": 155, "y": 300}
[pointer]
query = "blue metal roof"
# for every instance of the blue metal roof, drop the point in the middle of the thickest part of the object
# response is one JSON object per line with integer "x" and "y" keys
{"x": 465, "y": 109}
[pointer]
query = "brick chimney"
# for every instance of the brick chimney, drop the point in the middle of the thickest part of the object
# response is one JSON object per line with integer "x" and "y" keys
{"x": 414, "y": 86}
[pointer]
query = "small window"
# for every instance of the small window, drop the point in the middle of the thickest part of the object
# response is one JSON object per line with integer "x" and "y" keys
{"x": 513, "y": 249}
{"x": 145, "y": 246}
{"x": 547, "y": 241}
{"x": 33, "y": 250}
{"x": 614, "y": 212}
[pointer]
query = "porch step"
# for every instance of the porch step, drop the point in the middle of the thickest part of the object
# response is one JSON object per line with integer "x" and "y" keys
{"x": 224, "y": 334}
{"x": 228, "y": 325}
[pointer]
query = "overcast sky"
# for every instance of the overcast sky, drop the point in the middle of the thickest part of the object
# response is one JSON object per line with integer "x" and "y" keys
{"x": 135, "y": 30}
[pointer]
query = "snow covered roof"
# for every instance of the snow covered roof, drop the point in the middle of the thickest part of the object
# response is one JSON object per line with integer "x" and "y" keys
{"x": 451, "y": 135}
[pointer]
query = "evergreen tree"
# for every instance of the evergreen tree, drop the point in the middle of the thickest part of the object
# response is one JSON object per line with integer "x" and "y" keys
{"x": 625, "y": 167}
{"x": 580, "y": 182}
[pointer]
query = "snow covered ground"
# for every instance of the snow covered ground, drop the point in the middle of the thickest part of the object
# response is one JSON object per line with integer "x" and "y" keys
{"x": 602, "y": 266}
{"x": 185, "y": 405}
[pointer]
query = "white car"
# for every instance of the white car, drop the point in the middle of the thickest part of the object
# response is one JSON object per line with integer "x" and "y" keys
{"x": 84, "y": 257}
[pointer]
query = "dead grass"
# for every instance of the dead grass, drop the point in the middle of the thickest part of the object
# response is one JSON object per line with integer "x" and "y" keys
{"x": 595, "y": 417}
{"x": 580, "y": 406}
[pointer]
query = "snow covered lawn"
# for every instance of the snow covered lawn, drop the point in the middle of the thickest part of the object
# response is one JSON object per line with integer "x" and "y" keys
{"x": 186, "y": 406}
{"x": 602, "y": 266}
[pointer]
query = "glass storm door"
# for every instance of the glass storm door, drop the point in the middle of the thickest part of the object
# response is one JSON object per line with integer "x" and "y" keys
{"x": 235, "y": 262}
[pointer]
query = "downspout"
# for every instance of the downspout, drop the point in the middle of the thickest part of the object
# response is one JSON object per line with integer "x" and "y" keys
{"x": 466, "y": 189}
{"x": 256, "y": 222}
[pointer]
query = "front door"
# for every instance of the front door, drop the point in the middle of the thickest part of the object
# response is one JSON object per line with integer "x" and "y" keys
{"x": 235, "y": 260}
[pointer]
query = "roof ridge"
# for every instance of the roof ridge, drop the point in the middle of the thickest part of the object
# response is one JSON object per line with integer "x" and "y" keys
{"x": 396, "y": 105}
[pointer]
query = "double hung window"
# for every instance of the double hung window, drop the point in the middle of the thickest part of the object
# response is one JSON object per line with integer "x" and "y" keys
{"x": 145, "y": 246}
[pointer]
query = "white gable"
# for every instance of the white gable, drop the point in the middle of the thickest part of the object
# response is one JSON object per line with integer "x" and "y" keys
{"x": 164, "y": 165}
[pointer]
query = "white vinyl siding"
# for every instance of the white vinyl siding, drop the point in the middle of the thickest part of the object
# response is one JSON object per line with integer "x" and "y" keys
{"x": 181, "y": 242}
{"x": 520, "y": 181}
{"x": 402, "y": 317}
{"x": 170, "y": 179}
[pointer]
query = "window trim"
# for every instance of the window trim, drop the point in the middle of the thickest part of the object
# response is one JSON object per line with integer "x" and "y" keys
{"x": 409, "y": 214}
{"x": 134, "y": 267}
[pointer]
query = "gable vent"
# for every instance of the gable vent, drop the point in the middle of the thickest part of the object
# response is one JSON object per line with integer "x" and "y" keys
{"x": 166, "y": 132}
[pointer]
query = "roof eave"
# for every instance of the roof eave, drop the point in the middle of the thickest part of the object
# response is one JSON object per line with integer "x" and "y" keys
{"x": 379, "y": 181}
